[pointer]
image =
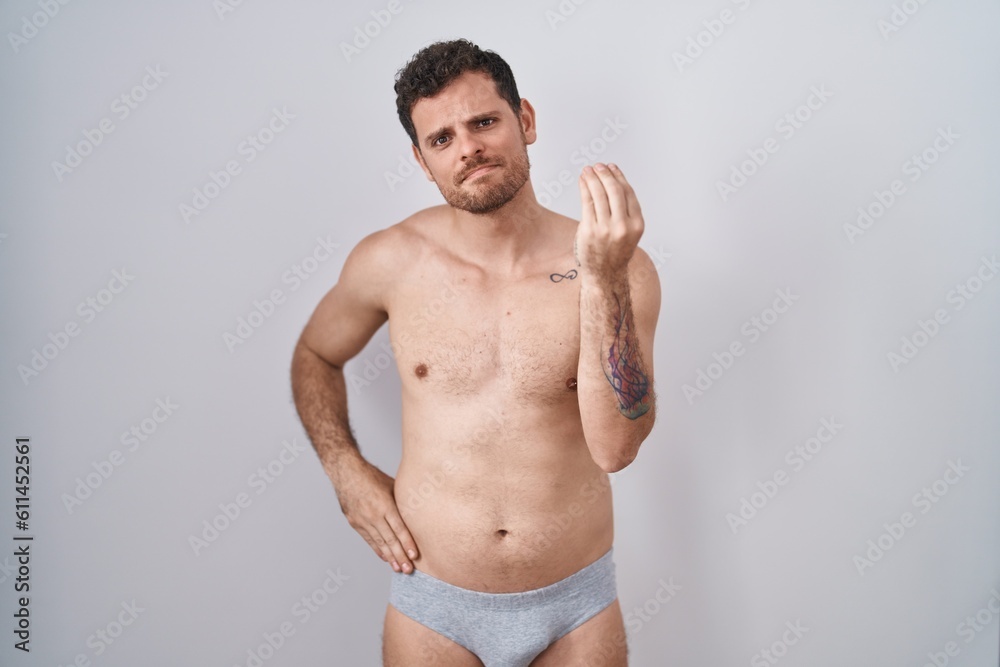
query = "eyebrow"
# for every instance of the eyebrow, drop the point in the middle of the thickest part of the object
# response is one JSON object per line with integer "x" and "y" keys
{"x": 430, "y": 137}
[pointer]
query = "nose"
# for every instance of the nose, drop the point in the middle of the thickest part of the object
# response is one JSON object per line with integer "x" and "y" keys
{"x": 469, "y": 144}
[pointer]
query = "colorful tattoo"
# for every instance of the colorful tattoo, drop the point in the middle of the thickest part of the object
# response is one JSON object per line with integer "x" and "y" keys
{"x": 624, "y": 366}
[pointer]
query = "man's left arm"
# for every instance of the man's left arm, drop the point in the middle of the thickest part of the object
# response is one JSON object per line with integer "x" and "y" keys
{"x": 619, "y": 306}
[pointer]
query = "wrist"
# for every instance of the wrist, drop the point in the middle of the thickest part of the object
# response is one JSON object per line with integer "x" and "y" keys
{"x": 345, "y": 466}
{"x": 604, "y": 281}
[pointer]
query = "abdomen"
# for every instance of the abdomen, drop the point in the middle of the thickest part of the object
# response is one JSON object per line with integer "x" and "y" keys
{"x": 513, "y": 509}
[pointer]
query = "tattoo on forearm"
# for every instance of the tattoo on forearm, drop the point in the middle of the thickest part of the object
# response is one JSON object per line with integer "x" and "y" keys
{"x": 558, "y": 277}
{"x": 623, "y": 368}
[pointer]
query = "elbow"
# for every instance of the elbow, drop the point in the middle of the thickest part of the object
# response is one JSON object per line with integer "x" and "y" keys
{"x": 300, "y": 356}
{"x": 613, "y": 467}
{"x": 620, "y": 460}
{"x": 303, "y": 356}
{"x": 621, "y": 455}
{"x": 615, "y": 445}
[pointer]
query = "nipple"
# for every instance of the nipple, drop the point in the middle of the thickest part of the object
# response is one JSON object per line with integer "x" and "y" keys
{"x": 571, "y": 384}
{"x": 420, "y": 370}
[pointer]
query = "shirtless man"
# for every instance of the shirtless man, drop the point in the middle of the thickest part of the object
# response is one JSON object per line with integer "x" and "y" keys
{"x": 523, "y": 341}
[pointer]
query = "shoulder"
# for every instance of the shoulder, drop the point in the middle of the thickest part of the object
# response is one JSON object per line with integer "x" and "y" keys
{"x": 642, "y": 265}
{"x": 381, "y": 257}
{"x": 387, "y": 250}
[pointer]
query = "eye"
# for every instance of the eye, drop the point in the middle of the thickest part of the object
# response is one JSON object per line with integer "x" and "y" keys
{"x": 486, "y": 120}
{"x": 437, "y": 142}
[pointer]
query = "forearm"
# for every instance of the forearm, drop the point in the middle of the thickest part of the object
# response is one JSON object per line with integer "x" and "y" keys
{"x": 364, "y": 492}
{"x": 320, "y": 395}
{"x": 617, "y": 404}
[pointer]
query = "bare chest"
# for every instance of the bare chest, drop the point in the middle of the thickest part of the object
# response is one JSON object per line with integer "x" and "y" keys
{"x": 462, "y": 339}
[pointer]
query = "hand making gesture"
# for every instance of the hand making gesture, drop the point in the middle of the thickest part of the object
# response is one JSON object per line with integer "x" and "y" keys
{"x": 611, "y": 221}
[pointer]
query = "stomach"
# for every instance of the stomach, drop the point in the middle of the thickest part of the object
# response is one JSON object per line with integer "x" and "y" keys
{"x": 504, "y": 508}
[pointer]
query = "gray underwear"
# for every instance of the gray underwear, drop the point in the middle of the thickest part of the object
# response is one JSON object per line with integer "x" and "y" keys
{"x": 506, "y": 629}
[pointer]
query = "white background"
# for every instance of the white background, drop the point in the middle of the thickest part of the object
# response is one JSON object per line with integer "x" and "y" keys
{"x": 720, "y": 260}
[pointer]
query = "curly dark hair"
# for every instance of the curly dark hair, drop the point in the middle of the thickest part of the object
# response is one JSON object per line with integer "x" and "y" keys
{"x": 437, "y": 65}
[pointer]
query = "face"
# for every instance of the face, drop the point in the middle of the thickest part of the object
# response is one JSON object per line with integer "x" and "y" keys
{"x": 472, "y": 144}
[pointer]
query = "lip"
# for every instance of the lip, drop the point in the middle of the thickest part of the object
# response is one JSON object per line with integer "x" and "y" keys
{"x": 485, "y": 169}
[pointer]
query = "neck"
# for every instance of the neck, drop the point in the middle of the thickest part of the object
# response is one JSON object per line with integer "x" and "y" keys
{"x": 503, "y": 239}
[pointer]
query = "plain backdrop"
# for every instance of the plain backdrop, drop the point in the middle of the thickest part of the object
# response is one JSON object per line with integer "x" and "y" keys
{"x": 818, "y": 181}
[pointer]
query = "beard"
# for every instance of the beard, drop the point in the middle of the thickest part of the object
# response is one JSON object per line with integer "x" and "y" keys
{"x": 486, "y": 193}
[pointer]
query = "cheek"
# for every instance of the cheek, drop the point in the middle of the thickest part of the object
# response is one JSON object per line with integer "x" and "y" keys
{"x": 514, "y": 145}
{"x": 433, "y": 170}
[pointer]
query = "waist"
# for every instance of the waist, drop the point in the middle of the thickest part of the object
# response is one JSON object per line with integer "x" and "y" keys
{"x": 595, "y": 580}
{"x": 505, "y": 534}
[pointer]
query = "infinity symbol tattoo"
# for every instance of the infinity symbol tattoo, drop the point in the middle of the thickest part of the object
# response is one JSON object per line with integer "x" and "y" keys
{"x": 558, "y": 277}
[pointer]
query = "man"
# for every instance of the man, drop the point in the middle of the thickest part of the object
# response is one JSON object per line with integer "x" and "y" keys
{"x": 523, "y": 341}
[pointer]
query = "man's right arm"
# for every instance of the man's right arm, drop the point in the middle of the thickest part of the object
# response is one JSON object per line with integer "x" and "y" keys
{"x": 344, "y": 321}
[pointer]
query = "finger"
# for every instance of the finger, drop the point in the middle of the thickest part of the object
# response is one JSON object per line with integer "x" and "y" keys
{"x": 382, "y": 535}
{"x": 616, "y": 196}
{"x": 633, "y": 201}
{"x": 379, "y": 547}
{"x": 634, "y": 223}
{"x": 601, "y": 206}
{"x": 378, "y": 543}
{"x": 382, "y": 547}
{"x": 403, "y": 534}
{"x": 620, "y": 178}
{"x": 395, "y": 547}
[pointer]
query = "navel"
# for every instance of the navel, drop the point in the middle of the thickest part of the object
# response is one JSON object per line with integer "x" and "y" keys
{"x": 571, "y": 384}
{"x": 420, "y": 370}
{"x": 502, "y": 533}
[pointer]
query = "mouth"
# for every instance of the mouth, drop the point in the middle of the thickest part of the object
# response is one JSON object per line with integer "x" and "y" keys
{"x": 485, "y": 169}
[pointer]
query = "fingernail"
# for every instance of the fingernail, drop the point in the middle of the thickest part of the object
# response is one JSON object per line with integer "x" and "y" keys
{"x": 412, "y": 553}
{"x": 395, "y": 566}
{"x": 600, "y": 166}
{"x": 406, "y": 567}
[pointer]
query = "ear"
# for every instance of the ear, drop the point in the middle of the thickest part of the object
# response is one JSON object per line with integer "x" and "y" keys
{"x": 528, "y": 121}
{"x": 423, "y": 165}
